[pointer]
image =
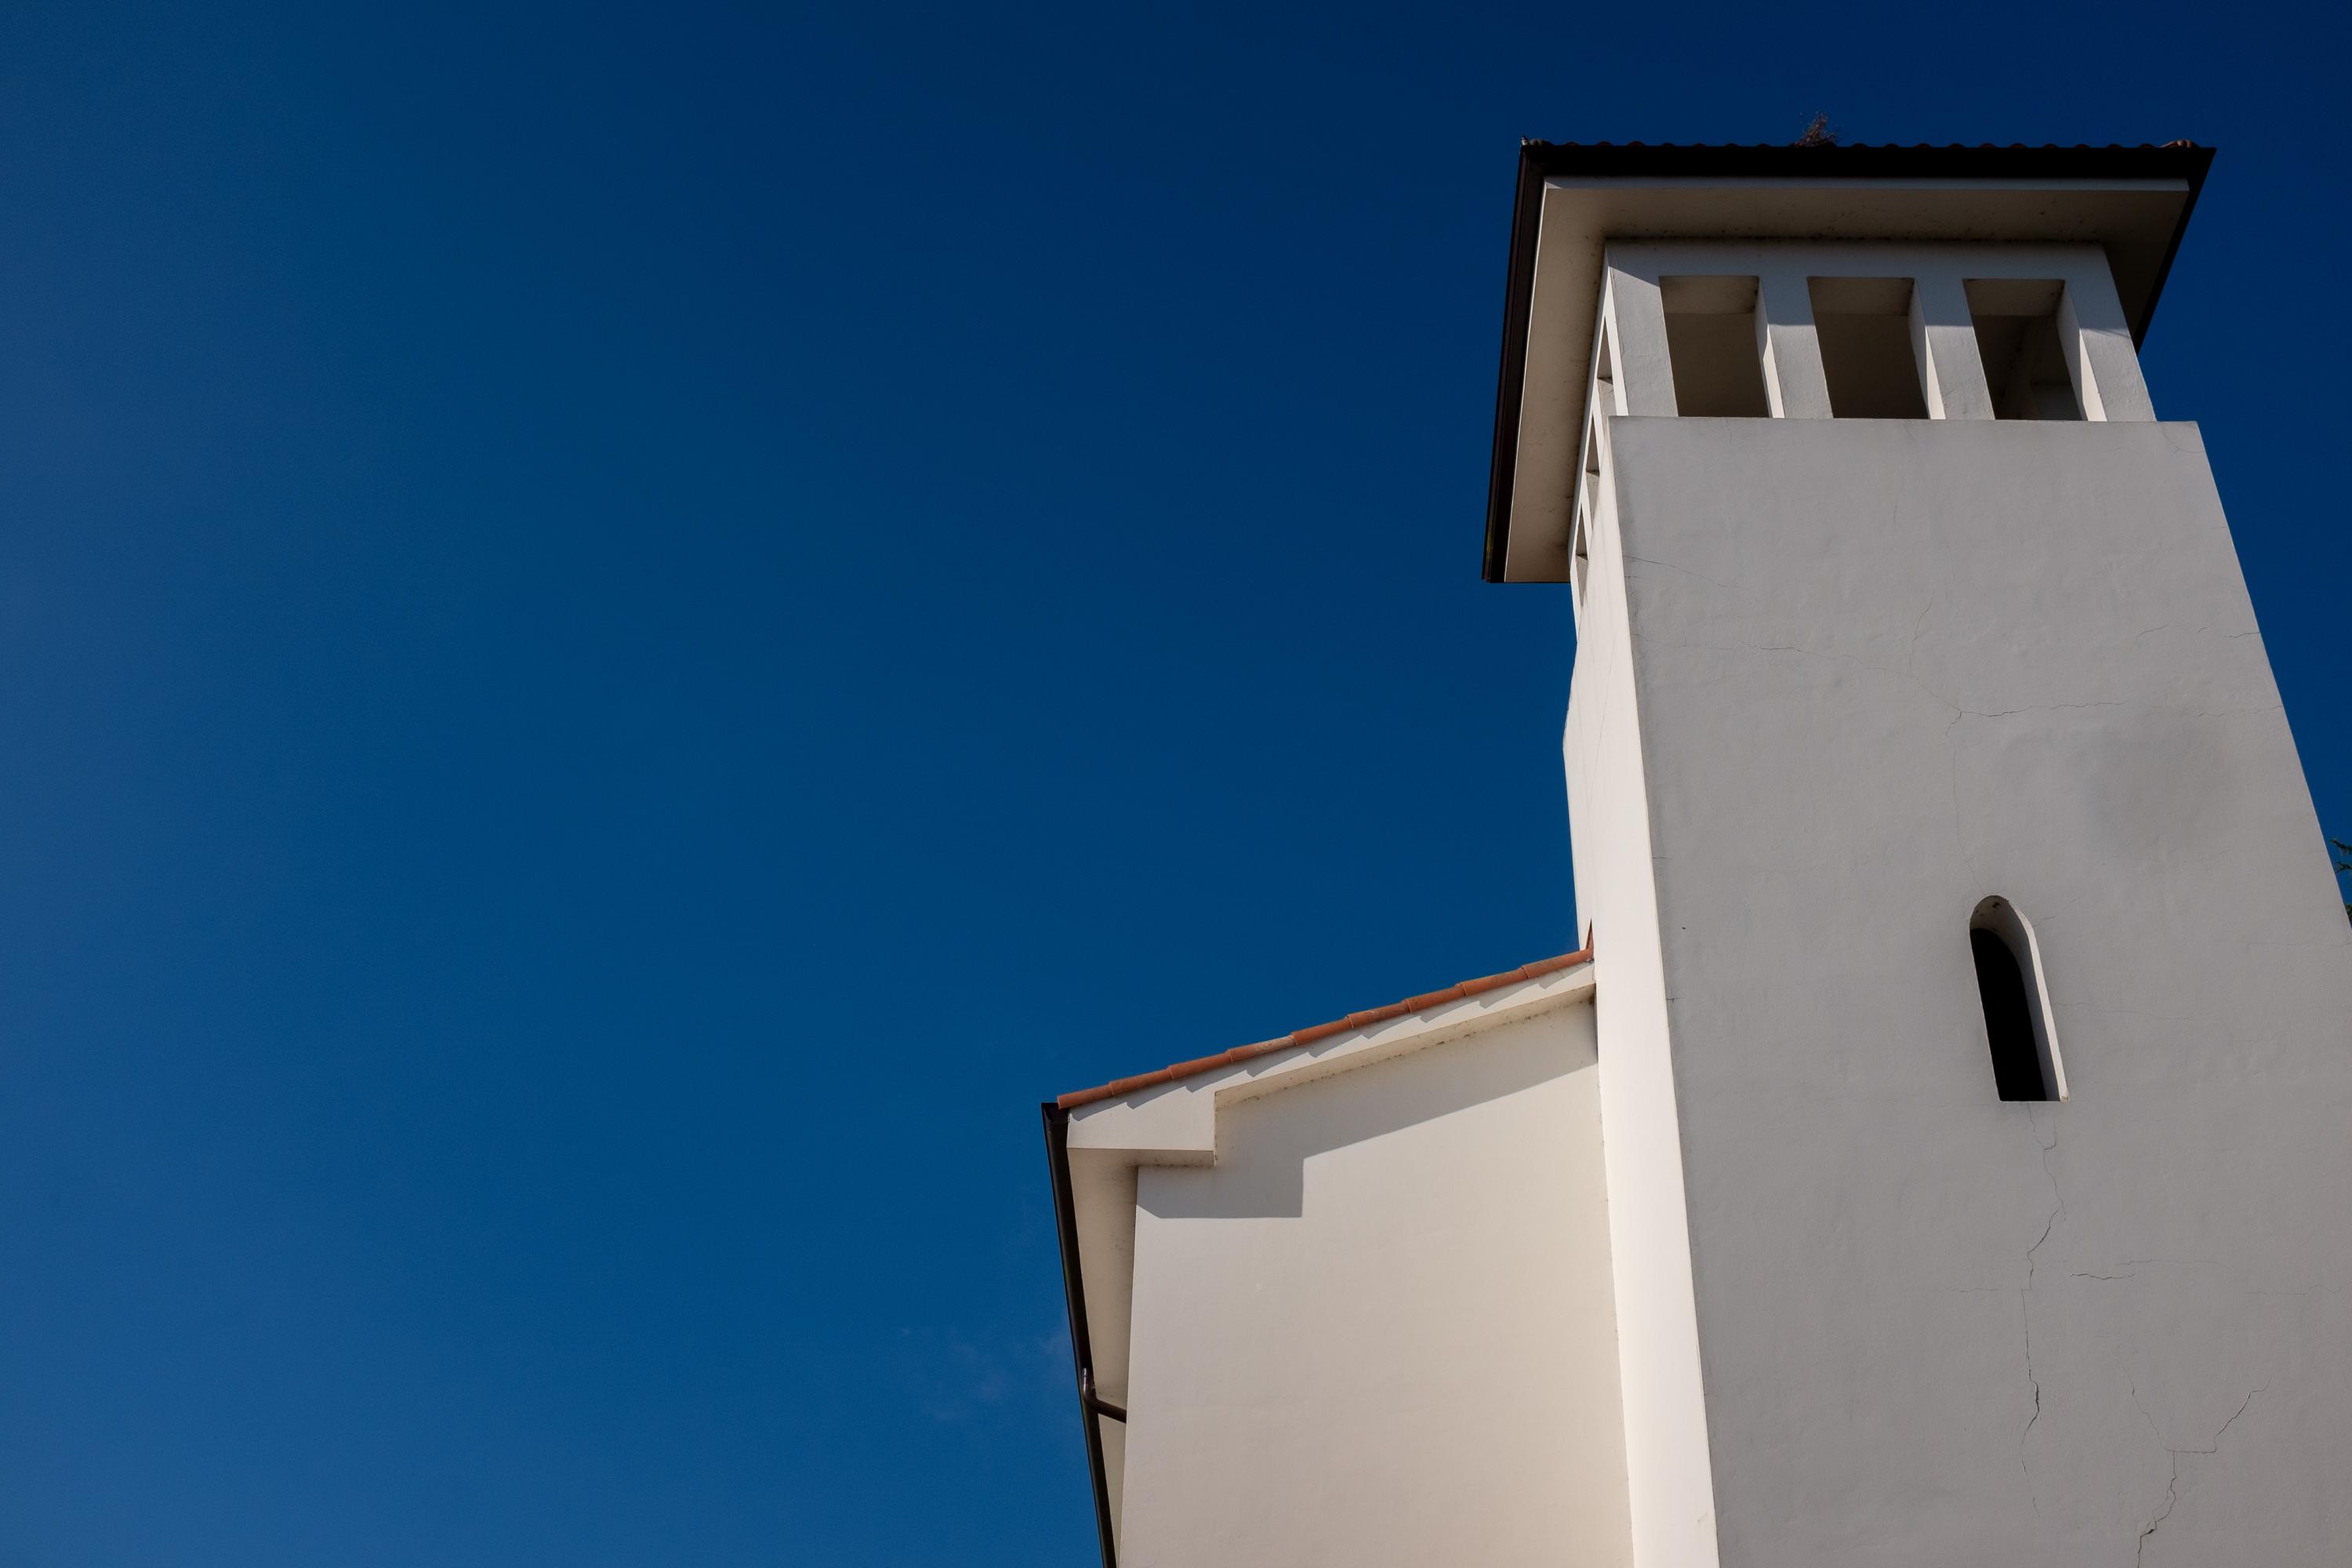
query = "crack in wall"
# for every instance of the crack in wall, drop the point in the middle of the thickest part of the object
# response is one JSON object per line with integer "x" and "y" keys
{"x": 2025, "y": 1301}
{"x": 2195, "y": 632}
{"x": 1633, "y": 560}
{"x": 2078, "y": 1366}
{"x": 2172, "y": 1482}
{"x": 2171, "y": 1496}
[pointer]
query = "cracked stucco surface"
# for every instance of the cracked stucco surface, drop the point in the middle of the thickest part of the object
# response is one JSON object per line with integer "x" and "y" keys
{"x": 1884, "y": 670}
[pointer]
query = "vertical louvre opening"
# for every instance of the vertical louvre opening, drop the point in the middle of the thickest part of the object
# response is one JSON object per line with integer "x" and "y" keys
{"x": 1588, "y": 491}
{"x": 1711, "y": 347}
{"x": 2016, "y": 321}
{"x": 1864, "y": 325}
{"x": 1605, "y": 370}
{"x": 1603, "y": 401}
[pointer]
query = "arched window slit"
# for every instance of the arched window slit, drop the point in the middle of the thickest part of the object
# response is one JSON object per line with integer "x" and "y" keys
{"x": 2020, "y": 1028}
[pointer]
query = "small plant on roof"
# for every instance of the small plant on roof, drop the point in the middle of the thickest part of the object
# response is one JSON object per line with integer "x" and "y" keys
{"x": 1820, "y": 133}
{"x": 2343, "y": 852}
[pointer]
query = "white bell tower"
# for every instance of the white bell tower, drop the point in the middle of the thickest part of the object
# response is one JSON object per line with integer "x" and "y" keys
{"x": 1976, "y": 1039}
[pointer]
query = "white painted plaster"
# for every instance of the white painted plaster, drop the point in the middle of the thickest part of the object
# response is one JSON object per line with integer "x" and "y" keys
{"x": 1637, "y": 330}
{"x": 1175, "y": 1123}
{"x": 1884, "y": 669}
{"x": 1377, "y": 1330}
{"x": 1794, "y": 384}
{"x": 1952, "y": 377}
{"x": 1102, "y": 1193}
{"x": 1668, "y": 1477}
{"x": 1182, "y": 1124}
{"x": 2099, "y": 353}
{"x": 2131, "y": 221}
{"x": 1944, "y": 338}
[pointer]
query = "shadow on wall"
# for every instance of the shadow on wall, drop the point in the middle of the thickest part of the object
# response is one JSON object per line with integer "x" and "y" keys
{"x": 1263, "y": 1144}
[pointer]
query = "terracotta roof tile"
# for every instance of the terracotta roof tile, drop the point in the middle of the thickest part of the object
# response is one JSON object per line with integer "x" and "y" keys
{"x": 1315, "y": 1032}
{"x": 1873, "y": 146}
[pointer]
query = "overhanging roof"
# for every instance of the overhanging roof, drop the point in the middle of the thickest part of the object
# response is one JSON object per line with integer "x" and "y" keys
{"x": 1461, "y": 990}
{"x": 1573, "y": 199}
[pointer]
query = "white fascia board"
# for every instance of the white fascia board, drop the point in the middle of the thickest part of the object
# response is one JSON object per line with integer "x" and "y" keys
{"x": 1175, "y": 1123}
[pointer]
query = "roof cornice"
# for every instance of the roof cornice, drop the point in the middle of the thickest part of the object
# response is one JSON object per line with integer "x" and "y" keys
{"x": 1608, "y": 181}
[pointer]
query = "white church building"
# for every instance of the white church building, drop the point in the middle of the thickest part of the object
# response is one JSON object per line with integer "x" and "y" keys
{"x": 1940, "y": 1153}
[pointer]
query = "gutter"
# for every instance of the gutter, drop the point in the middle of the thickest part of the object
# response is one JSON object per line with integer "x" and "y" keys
{"x": 1091, "y": 1409}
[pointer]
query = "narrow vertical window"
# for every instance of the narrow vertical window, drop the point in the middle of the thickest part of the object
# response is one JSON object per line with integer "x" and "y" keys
{"x": 2018, "y": 1024}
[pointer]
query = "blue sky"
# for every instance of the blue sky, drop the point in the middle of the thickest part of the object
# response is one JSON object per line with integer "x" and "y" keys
{"x": 624, "y": 633}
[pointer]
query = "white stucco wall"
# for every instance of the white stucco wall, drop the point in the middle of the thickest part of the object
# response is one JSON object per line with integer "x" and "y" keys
{"x": 1884, "y": 670}
{"x": 1379, "y": 1328}
{"x": 1670, "y": 1484}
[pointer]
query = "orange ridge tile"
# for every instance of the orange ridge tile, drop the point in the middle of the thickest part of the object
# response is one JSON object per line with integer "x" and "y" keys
{"x": 1460, "y": 991}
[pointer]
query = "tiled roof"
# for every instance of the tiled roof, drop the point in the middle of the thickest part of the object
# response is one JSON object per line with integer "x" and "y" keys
{"x": 1313, "y": 1033}
{"x": 1876, "y": 146}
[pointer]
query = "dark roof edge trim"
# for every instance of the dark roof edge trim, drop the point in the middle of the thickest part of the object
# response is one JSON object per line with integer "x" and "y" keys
{"x": 1539, "y": 159}
{"x": 1768, "y": 161}
{"x": 1074, "y": 1295}
{"x": 2199, "y": 160}
{"x": 1519, "y": 300}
